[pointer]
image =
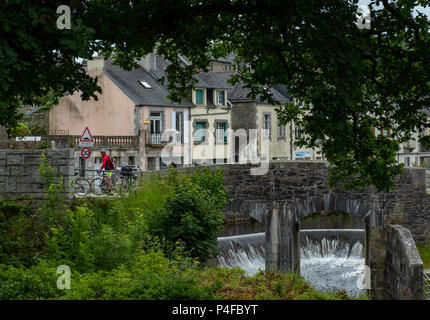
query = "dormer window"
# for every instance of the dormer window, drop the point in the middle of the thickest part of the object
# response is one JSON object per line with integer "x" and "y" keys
{"x": 145, "y": 84}
{"x": 199, "y": 97}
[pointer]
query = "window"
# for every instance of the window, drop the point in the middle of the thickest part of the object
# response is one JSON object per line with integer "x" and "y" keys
{"x": 131, "y": 161}
{"x": 220, "y": 97}
{"x": 226, "y": 67}
{"x": 298, "y": 133}
{"x": 221, "y": 132}
{"x": 407, "y": 161}
{"x": 180, "y": 126}
{"x": 281, "y": 132}
{"x": 199, "y": 134}
{"x": 199, "y": 96}
{"x": 267, "y": 126}
{"x": 156, "y": 122}
{"x": 145, "y": 84}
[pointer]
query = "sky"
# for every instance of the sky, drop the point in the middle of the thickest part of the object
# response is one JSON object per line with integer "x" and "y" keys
{"x": 425, "y": 10}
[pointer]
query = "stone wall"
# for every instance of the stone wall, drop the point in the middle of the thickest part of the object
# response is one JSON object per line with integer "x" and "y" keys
{"x": 305, "y": 184}
{"x": 19, "y": 170}
{"x": 300, "y": 188}
{"x": 403, "y": 266}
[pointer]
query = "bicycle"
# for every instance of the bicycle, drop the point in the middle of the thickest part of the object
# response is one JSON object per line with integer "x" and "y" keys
{"x": 81, "y": 186}
{"x": 100, "y": 185}
{"x": 128, "y": 179}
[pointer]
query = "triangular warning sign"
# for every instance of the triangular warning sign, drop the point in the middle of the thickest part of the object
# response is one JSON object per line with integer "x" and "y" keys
{"x": 86, "y": 136}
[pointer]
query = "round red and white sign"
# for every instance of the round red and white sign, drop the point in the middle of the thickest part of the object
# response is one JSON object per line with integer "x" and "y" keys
{"x": 85, "y": 153}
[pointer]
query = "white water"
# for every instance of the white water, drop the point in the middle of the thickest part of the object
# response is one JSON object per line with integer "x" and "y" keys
{"x": 328, "y": 265}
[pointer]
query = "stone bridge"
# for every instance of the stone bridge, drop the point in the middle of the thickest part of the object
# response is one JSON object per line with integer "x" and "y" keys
{"x": 292, "y": 190}
{"x": 280, "y": 198}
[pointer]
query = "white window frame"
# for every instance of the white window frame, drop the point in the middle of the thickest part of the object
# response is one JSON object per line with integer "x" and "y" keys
{"x": 220, "y": 134}
{"x": 217, "y": 92}
{"x": 267, "y": 132}
{"x": 281, "y": 131}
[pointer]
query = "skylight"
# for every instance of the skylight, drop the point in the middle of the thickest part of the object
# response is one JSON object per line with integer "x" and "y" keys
{"x": 145, "y": 84}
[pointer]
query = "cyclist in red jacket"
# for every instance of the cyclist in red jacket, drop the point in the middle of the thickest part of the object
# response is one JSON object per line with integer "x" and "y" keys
{"x": 108, "y": 165}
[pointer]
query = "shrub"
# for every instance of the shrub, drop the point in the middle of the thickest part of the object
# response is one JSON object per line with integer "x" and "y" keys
{"x": 35, "y": 283}
{"x": 21, "y": 235}
{"x": 189, "y": 214}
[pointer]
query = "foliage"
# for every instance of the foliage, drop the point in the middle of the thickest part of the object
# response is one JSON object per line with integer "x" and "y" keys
{"x": 233, "y": 284}
{"x": 53, "y": 207}
{"x": 37, "y": 129}
{"x": 211, "y": 184}
{"x": 424, "y": 250}
{"x": 192, "y": 214}
{"x": 36, "y": 56}
{"x": 21, "y": 235}
{"x": 20, "y": 130}
{"x": 36, "y": 282}
{"x": 343, "y": 79}
{"x": 150, "y": 245}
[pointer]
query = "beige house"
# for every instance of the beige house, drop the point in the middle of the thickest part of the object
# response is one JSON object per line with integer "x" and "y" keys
{"x": 211, "y": 119}
{"x": 133, "y": 117}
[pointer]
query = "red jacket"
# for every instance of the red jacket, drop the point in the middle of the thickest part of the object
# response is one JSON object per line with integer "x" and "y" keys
{"x": 106, "y": 160}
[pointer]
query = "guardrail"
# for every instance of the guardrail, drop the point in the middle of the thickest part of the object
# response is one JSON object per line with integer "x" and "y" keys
{"x": 104, "y": 182}
{"x": 426, "y": 286}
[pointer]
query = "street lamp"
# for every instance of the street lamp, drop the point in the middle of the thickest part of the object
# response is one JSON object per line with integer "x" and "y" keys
{"x": 147, "y": 124}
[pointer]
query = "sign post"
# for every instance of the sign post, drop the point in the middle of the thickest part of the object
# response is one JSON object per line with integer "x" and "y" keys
{"x": 86, "y": 142}
{"x": 85, "y": 153}
{"x": 86, "y": 139}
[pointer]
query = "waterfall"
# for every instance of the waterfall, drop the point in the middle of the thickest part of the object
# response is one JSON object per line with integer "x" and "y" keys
{"x": 330, "y": 259}
{"x": 244, "y": 251}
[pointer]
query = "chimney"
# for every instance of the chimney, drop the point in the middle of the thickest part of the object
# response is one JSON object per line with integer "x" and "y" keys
{"x": 96, "y": 65}
{"x": 149, "y": 62}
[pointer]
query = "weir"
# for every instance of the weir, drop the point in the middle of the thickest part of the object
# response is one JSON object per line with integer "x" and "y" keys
{"x": 331, "y": 259}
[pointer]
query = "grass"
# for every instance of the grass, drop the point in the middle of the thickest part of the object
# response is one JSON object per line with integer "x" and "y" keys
{"x": 233, "y": 284}
{"x": 424, "y": 251}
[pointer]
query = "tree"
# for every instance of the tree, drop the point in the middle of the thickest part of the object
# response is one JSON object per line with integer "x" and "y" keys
{"x": 347, "y": 80}
{"x": 37, "y": 60}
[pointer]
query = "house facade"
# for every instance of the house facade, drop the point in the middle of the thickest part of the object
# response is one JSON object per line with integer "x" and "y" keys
{"x": 254, "y": 120}
{"x": 211, "y": 119}
{"x": 132, "y": 117}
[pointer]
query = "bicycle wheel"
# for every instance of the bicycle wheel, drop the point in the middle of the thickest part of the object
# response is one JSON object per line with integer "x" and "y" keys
{"x": 81, "y": 186}
{"x": 99, "y": 186}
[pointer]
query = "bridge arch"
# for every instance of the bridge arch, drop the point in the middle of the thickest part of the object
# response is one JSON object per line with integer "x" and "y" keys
{"x": 282, "y": 232}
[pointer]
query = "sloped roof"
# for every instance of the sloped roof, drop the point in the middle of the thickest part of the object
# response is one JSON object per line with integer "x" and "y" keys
{"x": 240, "y": 93}
{"x": 129, "y": 83}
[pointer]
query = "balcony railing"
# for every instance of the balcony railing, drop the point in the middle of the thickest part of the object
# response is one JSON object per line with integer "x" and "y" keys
{"x": 156, "y": 139}
{"x": 123, "y": 142}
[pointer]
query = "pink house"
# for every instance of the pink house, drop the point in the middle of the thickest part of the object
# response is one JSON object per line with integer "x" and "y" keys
{"x": 133, "y": 117}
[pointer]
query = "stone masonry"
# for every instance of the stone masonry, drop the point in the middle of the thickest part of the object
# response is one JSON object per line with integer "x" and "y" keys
{"x": 292, "y": 190}
{"x": 403, "y": 266}
{"x": 19, "y": 170}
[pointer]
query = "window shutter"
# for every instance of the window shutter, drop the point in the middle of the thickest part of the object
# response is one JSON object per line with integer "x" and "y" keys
{"x": 173, "y": 120}
{"x": 199, "y": 96}
{"x": 186, "y": 127}
{"x": 225, "y": 132}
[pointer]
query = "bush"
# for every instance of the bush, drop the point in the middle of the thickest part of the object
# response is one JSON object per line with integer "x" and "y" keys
{"x": 35, "y": 283}
{"x": 21, "y": 235}
{"x": 190, "y": 214}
